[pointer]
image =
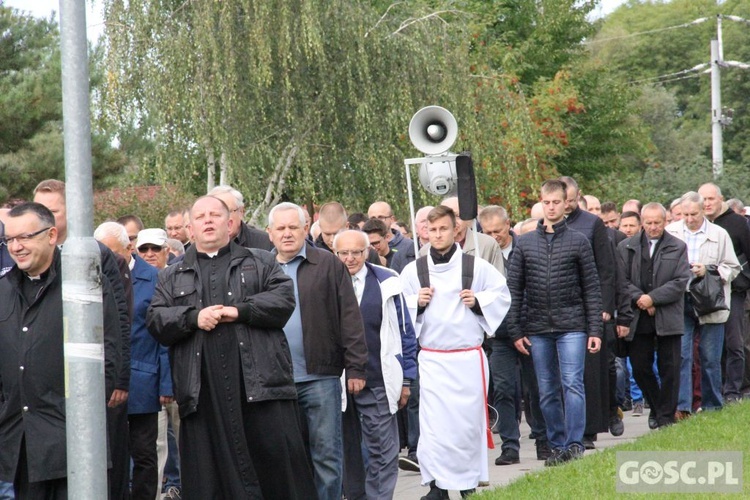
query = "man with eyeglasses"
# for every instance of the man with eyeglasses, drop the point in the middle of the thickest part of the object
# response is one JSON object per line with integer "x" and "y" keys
{"x": 5, "y": 261}
{"x": 32, "y": 391}
{"x": 176, "y": 225}
{"x": 51, "y": 194}
{"x": 397, "y": 242}
{"x": 370, "y": 418}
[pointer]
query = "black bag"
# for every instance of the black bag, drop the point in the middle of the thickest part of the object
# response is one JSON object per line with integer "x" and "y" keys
{"x": 742, "y": 282}
{"x": 707, "y": 293}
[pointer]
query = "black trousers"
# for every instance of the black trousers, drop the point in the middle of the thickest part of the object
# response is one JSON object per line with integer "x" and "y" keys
{"x": 661, "y": 396}
{"x": 119, "y": 474}
{"x": 143, "y": 431}
{"x": 54, "y": 489}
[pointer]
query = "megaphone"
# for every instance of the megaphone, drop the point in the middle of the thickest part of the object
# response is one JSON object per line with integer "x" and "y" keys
{"x": 433, "y": 130}
{"x": 438, "y": 177}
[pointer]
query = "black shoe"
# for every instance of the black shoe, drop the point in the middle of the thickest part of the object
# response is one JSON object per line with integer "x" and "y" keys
{"x": 508, "y": 457}
{"x": 557, "y": 456}
{"x": 652, "y": 422}
{"x": 575, "y": 452}
{"x": 409, "y": 463}
{"x": 627, "y": 405}
{"x": 466, "y": 493}
{"x": 542, "y": 450}
{"x": 616, "y": 426}
{"x": 588, "y": 442}
{"x": 436, "y": 493}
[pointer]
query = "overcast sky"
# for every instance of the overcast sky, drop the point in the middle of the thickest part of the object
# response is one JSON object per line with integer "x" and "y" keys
{"x": 43, "y": 8}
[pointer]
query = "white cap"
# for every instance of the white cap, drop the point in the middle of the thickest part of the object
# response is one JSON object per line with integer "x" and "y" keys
{"x": 151, "y": 236}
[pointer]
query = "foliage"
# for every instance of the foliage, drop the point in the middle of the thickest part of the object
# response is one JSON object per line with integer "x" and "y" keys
{"x": 150, "y": 203}
{"x": 31, "y": 142}
{"x": 319, "y": 109}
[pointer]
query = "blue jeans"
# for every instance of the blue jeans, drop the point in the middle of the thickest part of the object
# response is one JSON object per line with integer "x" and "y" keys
{"x": 6, "y": 491}
{"x": 320, "y": 405}
{"x": 710, "y": 348}
{"x": 559, "y": 362}
{"x": 505, "y": 374}
{"x": 172, "y": 467}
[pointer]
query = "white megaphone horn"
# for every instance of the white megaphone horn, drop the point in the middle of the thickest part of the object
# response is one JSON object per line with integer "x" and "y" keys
{"x": 433, "y": 130}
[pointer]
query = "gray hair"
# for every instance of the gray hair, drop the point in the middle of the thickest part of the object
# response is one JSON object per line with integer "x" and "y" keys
{"x": 654, "y": 206}
{"x": 692, "y": 197}
{"x": 675, "y": 202}
{"x": 711, "y": 184}
{"x": 281, "y": 207}
{"x": 493, "y": 211}
{"x": 736, "y": 204}
{"x": 176, "y": 246}
{"x": 228, "y": 189}
{"x": 111, "y": 229}
{"x": 365, "y": 239}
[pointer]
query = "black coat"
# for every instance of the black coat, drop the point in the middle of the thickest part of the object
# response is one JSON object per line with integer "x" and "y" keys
{"x": 265, "y": 297}
{"x": 671, "y": 272}
{"x": 250, "y": 237}
{"x": 557, "y": 283}
{"x": 32, "y": 378}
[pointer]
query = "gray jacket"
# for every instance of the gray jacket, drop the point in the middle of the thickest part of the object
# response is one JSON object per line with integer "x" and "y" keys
{"x": 671, "y": 272}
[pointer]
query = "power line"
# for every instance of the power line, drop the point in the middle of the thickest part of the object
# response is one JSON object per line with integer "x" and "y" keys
{"x": 658, "y": 30}
{"x": 698, "y": 67}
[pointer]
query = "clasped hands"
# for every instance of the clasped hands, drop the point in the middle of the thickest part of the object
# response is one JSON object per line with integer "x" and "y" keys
{"x": 211, "y": 316}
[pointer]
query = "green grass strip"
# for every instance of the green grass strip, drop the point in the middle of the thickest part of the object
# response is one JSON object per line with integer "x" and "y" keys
{"x": 593, "y": 476}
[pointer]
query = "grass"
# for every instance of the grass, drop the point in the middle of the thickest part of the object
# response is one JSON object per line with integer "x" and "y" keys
{"x": 594, "y": 475}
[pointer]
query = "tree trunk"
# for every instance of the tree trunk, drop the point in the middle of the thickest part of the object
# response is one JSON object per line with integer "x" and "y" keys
{"x": 211, "y": 161}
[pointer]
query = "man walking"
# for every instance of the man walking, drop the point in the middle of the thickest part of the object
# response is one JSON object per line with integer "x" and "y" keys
{"x": 221, "y": 312}
{"x": 656, "y": 272}
{"x": 451, "y": 318}
{"x": 552, "y": 273}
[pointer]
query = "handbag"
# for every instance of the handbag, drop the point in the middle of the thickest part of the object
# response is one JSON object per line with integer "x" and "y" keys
{"x": 742, "y": 282}
{"x": 707, "y": 293}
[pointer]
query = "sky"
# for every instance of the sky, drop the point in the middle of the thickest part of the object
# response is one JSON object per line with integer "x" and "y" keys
{"x": 43, "y": 8}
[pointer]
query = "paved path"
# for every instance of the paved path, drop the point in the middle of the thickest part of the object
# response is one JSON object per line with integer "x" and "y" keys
{"x": 409, "y": 488}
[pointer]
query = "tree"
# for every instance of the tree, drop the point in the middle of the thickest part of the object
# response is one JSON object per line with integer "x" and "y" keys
{"x": 31, "y": 143}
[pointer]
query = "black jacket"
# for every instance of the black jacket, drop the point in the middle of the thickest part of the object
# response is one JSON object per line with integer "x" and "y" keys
{"x": 250, "y": 237}
{"x": 604, "y": 253}
{"x": 265, "y": 297}
{"x": 671, "y": 272}
{"x": 557, "y": 283}
{"x": 32, "y": 375}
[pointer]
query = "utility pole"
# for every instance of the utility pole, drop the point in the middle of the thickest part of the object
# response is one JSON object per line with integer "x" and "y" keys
{"x": 85, "y": 403}
{"x": 716, "y": 118}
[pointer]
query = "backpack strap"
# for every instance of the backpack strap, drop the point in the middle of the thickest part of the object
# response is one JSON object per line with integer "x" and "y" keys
{"x": 467, "y": 271}
{"x": 423, "y": 272}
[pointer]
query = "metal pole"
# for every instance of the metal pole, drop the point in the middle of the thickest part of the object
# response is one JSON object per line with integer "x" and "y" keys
{"x": 85, "y": 402}
{"x": 716, "y": 132}
{"x": 719, "y": 37}
{"x": 411, "y": 208}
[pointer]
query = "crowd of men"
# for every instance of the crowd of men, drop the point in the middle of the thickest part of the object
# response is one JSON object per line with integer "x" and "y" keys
{"x": 298, "y": 361}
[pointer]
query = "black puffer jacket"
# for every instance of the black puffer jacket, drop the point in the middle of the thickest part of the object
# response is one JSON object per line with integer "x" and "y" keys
{"x": 557, "y": 282}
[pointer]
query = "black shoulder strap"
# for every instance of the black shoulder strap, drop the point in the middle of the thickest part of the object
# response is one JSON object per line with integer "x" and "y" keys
{"x": 467, "y": 271}
{"x": 423, "y": 272}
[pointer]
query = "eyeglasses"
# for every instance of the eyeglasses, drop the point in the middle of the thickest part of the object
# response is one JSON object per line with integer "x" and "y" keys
{"x": 24, "y": 238}
{"x": 147, "y": 248}
{"x": 376, "y": 243}
{"x": 354, "y": 253}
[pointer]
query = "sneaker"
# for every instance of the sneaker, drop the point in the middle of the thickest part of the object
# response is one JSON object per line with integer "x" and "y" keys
{"x": 508, "y": 457}
{"x": 588, "y": 442}
{"x": 483, "y": 484}
{"x": 409, "y": 463}
{"x": 436, "y": 493}
{"x": 542, "y": 450}
{"x": 638, "y": 409}
{"x": 557, "y": 456}
{"x": 575, "y": 452}
{"x": 173, "y": 493}
{"x": 616, "y": 426}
